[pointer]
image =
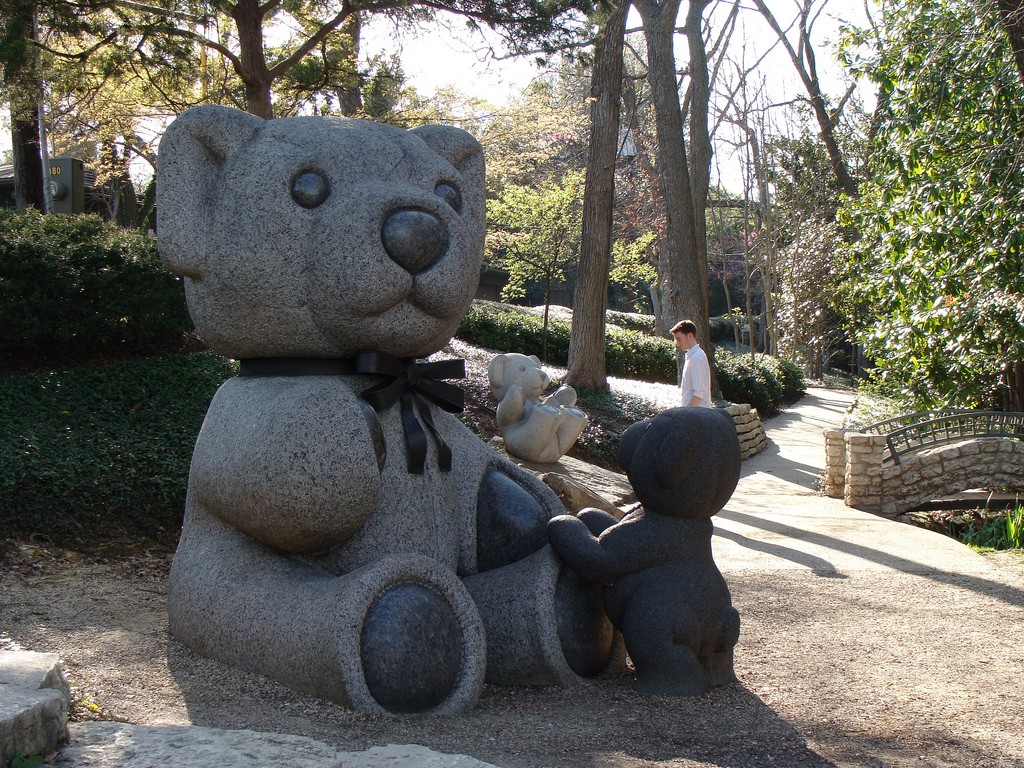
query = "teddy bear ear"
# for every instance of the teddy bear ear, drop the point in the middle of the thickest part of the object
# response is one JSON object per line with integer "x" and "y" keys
{"x": 535, "y": 359}
{"x": 191, "y": 151}
{"x": 496, "y": 374}
{"x": 458, "y": 148}
{"x": 629, "y": 442}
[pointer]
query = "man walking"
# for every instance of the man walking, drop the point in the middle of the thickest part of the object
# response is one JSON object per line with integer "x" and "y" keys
{"x": 696, "y": 381}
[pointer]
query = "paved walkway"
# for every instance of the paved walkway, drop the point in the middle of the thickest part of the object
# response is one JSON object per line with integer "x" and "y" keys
{"x": 778, "y": 519}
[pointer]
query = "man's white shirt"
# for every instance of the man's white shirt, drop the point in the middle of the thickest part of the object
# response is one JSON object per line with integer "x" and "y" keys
{"x": 696, "y": 377}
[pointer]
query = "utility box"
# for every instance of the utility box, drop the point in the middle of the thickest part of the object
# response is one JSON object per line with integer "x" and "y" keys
{"x": 67, "y": 185}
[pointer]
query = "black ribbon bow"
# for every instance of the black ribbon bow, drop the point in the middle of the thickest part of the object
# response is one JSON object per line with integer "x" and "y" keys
{"x": 413, "y": 384}
{"x": 407, "y": 381}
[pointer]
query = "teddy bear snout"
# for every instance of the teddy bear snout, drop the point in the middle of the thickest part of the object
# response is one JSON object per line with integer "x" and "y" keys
{"x": 414, "y": 239}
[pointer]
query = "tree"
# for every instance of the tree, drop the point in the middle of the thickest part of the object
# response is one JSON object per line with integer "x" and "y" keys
{"x": 539, "y": 136}
{"x": 316, "y": 28}
{"x": 939, "y": 266}
{"x": 534, "y": 233}
{"x": 590, "y": 298}
{"x": 802, "y": 54}
{"x": 685, "y": 180}
{"x": 1012, "y": 14}
{"x": 21, "y": 86}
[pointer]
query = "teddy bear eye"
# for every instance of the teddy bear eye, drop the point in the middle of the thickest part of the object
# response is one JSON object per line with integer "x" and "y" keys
{"x": 310, "y": 189}
{"x": 450, "y": 195}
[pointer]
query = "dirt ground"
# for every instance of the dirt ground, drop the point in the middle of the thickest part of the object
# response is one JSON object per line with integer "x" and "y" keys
{"x": 873, "y": 669}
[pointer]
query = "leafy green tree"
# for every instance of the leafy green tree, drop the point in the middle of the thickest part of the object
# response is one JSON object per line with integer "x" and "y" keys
{"x": 540, "y": 135}
{"x": 939, "y": 267}
{"x": 632, "y": 269}
{"x": 534, "y": 233}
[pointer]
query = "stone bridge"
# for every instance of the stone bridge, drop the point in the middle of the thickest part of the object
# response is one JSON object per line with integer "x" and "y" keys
{"x": 895, "y": 465}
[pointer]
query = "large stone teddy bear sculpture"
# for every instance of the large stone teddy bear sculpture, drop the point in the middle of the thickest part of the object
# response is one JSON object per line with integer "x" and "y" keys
{"x": 534, "y": 427}
{"x": 663, "y": 589}
{"x": 344, "y": 533}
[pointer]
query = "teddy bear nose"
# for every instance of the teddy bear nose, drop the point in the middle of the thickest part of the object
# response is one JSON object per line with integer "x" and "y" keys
{"x": 414, "y": 239}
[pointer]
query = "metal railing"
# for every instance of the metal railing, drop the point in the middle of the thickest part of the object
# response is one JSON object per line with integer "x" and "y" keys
{"x": 917, "y": 431}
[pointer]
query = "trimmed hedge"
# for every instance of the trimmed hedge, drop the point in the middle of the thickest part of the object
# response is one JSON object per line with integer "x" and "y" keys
{"x": 721, "y": 329}
{"x": 629, "y": 353}
{"x": 76, "y": 285}
{"x": 765, "y": 382}
{"x": 91, "y": 451}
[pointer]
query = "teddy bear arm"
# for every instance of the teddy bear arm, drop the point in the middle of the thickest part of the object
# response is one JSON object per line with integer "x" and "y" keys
{"x": 261, "y": 464}
{"x": 574, "y": 542}
{"x": 564, "y": 396}
{"x": 597, "y": 520}
{"x": 512, "y": 407}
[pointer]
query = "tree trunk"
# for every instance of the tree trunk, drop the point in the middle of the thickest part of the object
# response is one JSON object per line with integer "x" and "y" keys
{"x": 23, "y": 90}
{"x": 252, "y": 66}
{"x": 686, "y": 273}
{"x": 700, "y": 170}
{"x": 28, "y": 162}
{"x": 590, "y": 298}
{"x": 1012, "y": 14}
{"x": 350, "y": 95}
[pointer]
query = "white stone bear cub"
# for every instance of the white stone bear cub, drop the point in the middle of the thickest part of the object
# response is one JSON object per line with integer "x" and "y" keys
{"x": 344, "y": 533}
{"x": 535, "y": 428}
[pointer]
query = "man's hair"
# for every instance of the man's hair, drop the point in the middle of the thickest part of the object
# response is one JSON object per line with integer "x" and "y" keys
{"x": 684, "y": 326}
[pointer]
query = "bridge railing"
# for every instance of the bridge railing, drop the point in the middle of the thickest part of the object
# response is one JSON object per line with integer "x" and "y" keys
{"x": 915, "y": 432}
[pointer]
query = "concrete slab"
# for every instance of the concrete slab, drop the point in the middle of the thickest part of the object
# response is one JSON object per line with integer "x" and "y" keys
{"x": 121, "y": 745}
{"x": 777, "y": 518}
{"x": 34, "y": 701}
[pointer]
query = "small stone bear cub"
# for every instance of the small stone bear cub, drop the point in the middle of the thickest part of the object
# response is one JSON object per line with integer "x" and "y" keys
{"x": 663, "y": 590}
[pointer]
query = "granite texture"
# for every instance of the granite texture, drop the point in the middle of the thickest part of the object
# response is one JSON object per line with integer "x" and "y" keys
{"x": 663, "y": 590}
{"x": 536, "y": 428}
{"x": 325, "y": 540}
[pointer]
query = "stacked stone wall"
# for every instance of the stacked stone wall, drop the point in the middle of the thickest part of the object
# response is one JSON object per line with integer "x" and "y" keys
{"x": 984, "y": 462}
{"x": 854, "y": 471}
{"x": 749, "y": 429}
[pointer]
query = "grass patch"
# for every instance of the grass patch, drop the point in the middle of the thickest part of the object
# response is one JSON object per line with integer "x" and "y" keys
{"x": 997, "y": 532}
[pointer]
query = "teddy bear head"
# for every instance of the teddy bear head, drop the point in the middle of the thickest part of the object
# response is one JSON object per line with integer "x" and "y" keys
{"x": 683, "y": 462}
{"x": 511, "y": 369}
{"x": 320, "y": 237}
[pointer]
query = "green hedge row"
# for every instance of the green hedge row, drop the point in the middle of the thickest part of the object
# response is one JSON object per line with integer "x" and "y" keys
{"x": 763, "y": 381}
{"x": 71, "y": 285}
{"x": 109, "y": 444}
{"x": 629, "y": 354}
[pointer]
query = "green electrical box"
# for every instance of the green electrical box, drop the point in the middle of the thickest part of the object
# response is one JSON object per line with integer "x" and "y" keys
{"x": 67, "y": 185}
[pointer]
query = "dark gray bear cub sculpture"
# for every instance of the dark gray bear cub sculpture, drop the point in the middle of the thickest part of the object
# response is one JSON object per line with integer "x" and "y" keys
{"x": 344, "y": 533}
{"x": 663, "y": 590}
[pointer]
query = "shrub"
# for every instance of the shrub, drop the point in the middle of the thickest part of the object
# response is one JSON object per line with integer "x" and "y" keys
{"x": 749, "y": 381}
{"x": 635, "y": 355}
{"x": 631, "y": 321}
{"x": 97, "y": 452}
{"x": 504, "y": 328}
{"x": 721, "y": 329}
{"x": 75, "y": 285}
{"x": 790, "y": 376}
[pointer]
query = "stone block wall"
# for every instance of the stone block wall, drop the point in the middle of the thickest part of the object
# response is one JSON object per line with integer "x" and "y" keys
{"x": 982, "y": 462}
{"x": 854, "y": 471}
{"x": 749, "y": 429}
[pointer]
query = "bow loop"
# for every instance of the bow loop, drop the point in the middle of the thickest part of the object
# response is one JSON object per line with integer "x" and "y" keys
{"x": 412, "y": 384}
